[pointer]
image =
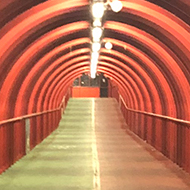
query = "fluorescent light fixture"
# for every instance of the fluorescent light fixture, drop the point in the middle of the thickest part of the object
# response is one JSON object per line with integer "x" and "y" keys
{"x": 94, "y": 63}
{"x": 98, "y": 9}
{"x": 108, "y": 45}
{"x": 93, "y": 75}
{"x": 96, "y": 46}
{"x": 93, "y": 68}
{"x": 96, "y": 33}
{"x": 93, "y": 71}
{"x": 97, "y": 22}
{"x": 116, "y": 5}
{"x": 94, "y": 56}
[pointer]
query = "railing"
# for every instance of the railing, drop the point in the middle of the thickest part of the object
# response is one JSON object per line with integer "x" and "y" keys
{"x": 21, "y": 134}
{"x": 152, "y": 114}
{"x": 167, "y": 134}
{"x": 33, "y": 114}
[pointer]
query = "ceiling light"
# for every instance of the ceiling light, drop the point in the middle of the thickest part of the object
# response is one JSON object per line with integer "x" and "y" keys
{"x": 108, "y": 45}
{"x": 93, "y": 68}
{"x": 93, "y": 75}
{"x": 94, "y": 56}
{"x": 97, "y": 22}
{"x": 96, "y": 46}
{"x": 93, "y": 65}
{"x": 116, "y": 5}
{"x": 96, "y": 33}
{"x": 98, "y": 9}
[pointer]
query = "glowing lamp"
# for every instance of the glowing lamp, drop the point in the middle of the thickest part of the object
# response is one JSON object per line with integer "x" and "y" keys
{"x": 97, "y": 22}
{"x": 93, "y": 75}
{"x": 108, "y": 45}
{"x": 93, "y": 68}
{"x": 96, "y": 33}
{"x": 98, "y": 10}
{"x": 116, "y": 5}
{"x": 94, "y": 55}
{"x": 96, "y": 46}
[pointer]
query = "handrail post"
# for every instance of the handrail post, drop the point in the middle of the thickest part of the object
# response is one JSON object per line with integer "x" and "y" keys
{"x": 27, "y": 135}
{"x": 63, "y": 106}
{"x": 119, "y": 101}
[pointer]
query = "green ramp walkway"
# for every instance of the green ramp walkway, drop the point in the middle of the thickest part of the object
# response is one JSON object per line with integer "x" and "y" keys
{"x": 92, "y": 149}
{"x": 64, "y": 160}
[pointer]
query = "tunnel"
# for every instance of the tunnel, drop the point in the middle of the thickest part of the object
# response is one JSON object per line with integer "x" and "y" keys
{"x": 45, "y": 46}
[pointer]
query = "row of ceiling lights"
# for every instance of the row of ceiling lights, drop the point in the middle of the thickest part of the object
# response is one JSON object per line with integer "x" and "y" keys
{"x": 98, "y": 9}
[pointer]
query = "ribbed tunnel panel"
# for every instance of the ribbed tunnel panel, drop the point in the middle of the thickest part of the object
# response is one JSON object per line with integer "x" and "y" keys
{"x": 45, "y": 45}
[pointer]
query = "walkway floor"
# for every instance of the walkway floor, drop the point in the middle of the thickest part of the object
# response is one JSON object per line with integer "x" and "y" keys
{"x": 92, "y": 150}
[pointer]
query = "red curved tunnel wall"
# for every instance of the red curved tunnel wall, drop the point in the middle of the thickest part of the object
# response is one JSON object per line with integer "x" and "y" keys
{"x": 45, "y": 45}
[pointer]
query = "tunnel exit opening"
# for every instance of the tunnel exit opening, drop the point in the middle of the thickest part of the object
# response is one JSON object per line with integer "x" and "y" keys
{"x": 86, "y": 87}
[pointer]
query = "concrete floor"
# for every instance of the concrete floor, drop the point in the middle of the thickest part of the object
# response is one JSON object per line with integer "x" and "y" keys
{"x": 92, "y": 149}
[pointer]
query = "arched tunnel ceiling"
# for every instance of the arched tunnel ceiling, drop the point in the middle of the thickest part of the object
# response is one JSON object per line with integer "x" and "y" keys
{"x": 45, "y": 45}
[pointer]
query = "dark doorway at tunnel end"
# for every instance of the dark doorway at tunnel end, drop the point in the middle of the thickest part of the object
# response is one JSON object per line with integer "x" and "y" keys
{"x": 84, "y": 86}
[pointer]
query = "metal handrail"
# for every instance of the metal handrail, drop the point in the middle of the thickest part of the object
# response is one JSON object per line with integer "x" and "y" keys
{"x": 154, "y": 114}
{"x": 32, "y": 115}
